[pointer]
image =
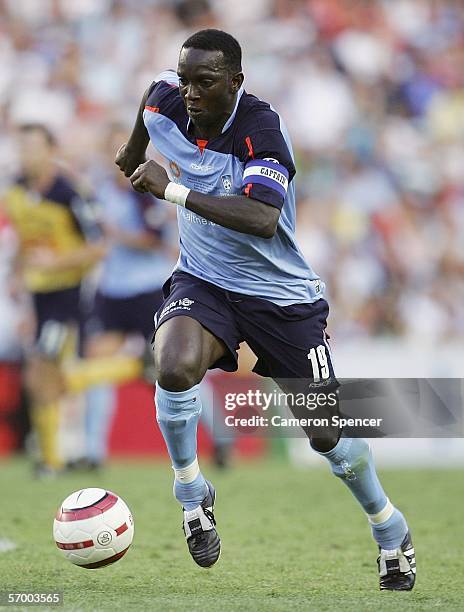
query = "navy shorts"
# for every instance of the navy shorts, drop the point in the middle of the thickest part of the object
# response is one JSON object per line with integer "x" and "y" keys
{"x": 289, "y": 341}
{"x": 55, "y": 311}
{"x": 61, "y": 306}
{"x": 128, "y": 315}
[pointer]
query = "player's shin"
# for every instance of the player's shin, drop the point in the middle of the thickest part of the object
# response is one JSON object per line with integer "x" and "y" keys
{"x": 100, "y": 405}
{"x": 351, "y": 460}
{"x": 177, "y": 414}
{"x": 222, "y": 440}
{"x": 45, "y": 385}
{"x": 45, "y": 419}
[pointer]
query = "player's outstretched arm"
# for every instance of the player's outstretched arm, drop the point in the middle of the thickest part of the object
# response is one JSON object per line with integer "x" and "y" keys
{"x": 132, "y": 153}
{"x": 243, "y": 214}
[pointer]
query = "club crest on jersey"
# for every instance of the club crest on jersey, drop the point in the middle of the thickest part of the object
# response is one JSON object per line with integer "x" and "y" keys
{"x": 174, "y": 169}
{"x": 226, "y": 181}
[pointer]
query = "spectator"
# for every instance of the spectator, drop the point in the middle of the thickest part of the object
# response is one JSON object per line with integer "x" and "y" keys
{"x": 373, "y": 96}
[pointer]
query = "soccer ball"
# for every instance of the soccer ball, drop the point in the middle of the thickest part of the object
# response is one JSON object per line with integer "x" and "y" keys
{"x": 93, "y": 528}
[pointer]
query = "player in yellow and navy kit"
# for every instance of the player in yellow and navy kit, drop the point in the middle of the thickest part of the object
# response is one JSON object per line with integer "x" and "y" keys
{"x": 54, "y": 225}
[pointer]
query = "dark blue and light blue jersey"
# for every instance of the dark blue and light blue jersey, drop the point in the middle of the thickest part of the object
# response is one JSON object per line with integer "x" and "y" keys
{"x": 127, "y": 271}
{"x": 253, "y": 157}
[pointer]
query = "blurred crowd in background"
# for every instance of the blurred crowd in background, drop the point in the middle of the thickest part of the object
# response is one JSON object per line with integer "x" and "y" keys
{"x": 372, "y": 92}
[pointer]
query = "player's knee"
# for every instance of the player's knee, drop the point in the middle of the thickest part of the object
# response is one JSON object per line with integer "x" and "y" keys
{"x": 44, "y": 380}
{"x": 324, "y": 444}
{"x": 176, "y": 372}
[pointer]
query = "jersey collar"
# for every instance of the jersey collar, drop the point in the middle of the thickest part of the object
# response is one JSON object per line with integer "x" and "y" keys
{"x": 229, "y": 121}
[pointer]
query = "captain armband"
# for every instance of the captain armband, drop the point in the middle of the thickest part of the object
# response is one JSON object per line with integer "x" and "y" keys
{"x": 267, "y": 172}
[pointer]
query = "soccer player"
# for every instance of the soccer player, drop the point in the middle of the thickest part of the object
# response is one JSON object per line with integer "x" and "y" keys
{"x": 135, "y": 267}
{"x": 240, "y": 276}
{"x": 55, "y": 231}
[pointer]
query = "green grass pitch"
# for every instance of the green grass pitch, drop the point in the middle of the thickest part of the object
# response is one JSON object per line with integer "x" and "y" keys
{"x": 292, "y": 540}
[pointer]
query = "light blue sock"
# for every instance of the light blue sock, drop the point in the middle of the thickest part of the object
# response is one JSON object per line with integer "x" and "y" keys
{"x": 351, "y": 460}
{"x": 177, "y": 414}
{"x": 216, "y": 428}
{"x": 391, "y": 532}
{"x": 98, "y": 420}
{"x": 191, "y": 494}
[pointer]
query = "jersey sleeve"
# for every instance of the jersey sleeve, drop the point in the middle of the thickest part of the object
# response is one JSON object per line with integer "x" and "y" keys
{"x": 269, "y": 166}
{"x": 162, "y": 90}
{"x": 168, "y": 76}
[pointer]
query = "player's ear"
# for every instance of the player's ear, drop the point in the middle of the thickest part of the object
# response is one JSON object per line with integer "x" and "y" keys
{"x": 236, "y": 82}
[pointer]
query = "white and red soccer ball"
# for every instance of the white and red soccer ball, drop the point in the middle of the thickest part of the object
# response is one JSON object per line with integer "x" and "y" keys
{"x": 93, "y": 528}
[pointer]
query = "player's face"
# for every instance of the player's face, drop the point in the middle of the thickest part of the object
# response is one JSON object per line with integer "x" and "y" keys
{"x": 35, "y": 151}
{"x": 207, "y": 87}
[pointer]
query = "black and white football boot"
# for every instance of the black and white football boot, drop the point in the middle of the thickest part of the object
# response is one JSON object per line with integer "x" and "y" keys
{"x": 199, "y": 528}
{"x": 397, "y": 568}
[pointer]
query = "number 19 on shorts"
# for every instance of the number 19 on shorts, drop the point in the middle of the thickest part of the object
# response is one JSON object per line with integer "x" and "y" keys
{"x": 319, "y": 362}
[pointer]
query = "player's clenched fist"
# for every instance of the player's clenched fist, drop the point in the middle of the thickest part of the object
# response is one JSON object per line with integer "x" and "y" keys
{"x": 151, "y": 177}
{"x": 127, "y": 160}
